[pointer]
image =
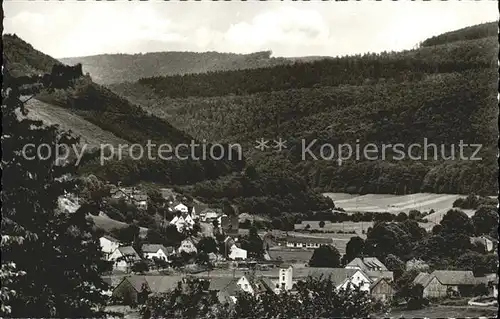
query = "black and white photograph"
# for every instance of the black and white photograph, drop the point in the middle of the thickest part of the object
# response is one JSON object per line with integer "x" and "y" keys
{"x": 249, "y": 159}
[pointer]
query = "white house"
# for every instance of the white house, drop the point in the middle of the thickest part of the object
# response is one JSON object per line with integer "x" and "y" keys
{"x": 485, "y": 241}
{"x": 285, "y": 279}
{"x": 124, "y": 258}
{"x": 108, "y": 245}
{"x": 307, "y": 242}
{"x": 245, "y": 285}
{"x": 343, "y": 278}
{"x": 237, "y": 253}
{"x": 151, "y": 251}
{"x": 184, "y": 221}
{"x": 187, "y": 246}
{"x": 141, "y": 201}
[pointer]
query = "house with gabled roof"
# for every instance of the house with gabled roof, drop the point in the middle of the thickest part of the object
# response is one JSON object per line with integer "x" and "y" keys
{"x": 228, "y": 288}
{"x": 108, "y": 245}
{"x": 159, "y": 251}
{"x": 444, "y": 283}
{"x": 187, "y": 246}
{"x": 130, "y": 288}
{"x": 343, "y": 278}
{"x": 382, "y": 289}
{"x": 183, "y": 221}
{"x": 124, "y": 257}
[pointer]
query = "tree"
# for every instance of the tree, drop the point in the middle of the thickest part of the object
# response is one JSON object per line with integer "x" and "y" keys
{"x": 207, "y": 245}
{"x": 415, "y": 298}
{"x": 322, "y": 224}
{"x": 401, "y": 217}
{"x": 395, "y": 264}
{"x": 354, "y": 248}
{"x": 480, "y": 290}
{"x": 414, "y": 214}
{"x": 187, "y": 300}
{"x": 51, "y": 258}
{"x": 140, "y": 267}
{"x": 314, "y": 298}
{"x": 485, "y": 220}
{"x": 126, "y": 235}
{"x": 387, "y": 238}
{"x": 457, "y": 222}
{"x": 253, "y": 244}
{"x": 325, "y": 256}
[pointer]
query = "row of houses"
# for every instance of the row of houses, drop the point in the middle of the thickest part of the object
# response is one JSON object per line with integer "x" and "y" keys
{"x": 125, "y": 256}
{"x": 226, "y": 288}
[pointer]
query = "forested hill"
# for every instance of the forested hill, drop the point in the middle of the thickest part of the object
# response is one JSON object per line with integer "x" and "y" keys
{"x": 22, "y": 59}
{"x": 94, "y": 105}
{"x": 469, "y": 33}
{"x": 116, "y": 68}
{"x": 445, "y": 93}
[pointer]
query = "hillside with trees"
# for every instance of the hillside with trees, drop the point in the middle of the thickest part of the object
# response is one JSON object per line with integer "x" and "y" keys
{"x": 22, "y": 58}
{"x": 445, "y": 93}
{"x": 468, "y": 33}
{"x": 117, "y": 68}
{"x": 102, "y": 108}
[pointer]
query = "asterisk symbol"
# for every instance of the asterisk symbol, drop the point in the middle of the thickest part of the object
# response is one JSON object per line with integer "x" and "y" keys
{"x": 279, "y": 144}
{"x": 262, "y": 144}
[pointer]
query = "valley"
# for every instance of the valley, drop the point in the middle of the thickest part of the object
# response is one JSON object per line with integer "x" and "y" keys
{"x": 410, "y": 234}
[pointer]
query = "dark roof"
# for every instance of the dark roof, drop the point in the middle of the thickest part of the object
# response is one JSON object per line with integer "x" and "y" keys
{"x": 110, "y": 238}
{"x": 155, "y": 284}
{"x": 455, "y": 277}
{"x": 367, "y": 263}
{"x": 129, "y": 252}
{"x": 160, "y": 284}
{"x": 220, "y": 283}
{"x": 313, "y": 240}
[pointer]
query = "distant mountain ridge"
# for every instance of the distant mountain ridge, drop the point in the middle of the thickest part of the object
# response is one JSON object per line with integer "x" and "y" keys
{"x": 445, "y": 90}
{"x": 118, "y": 68}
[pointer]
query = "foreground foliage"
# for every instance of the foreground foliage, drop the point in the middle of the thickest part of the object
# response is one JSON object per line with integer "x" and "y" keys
{"x": 51, "y": 258}
{"x": 313, "y": 298}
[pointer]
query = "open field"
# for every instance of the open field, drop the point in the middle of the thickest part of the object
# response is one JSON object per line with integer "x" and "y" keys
{"x": 104, "y": 222}
{"x": 393, "y": 203}
{"x": 358, "y": 227}
{"x": 89, "y": 133}
{"x": 296, "y": 256}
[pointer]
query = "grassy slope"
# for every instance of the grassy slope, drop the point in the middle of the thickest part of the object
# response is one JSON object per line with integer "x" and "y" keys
{"x": 67, "y": 120}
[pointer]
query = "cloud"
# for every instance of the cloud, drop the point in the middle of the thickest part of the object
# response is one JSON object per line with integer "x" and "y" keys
{"x": 286, "y": 26}
{"x": 288, "y": 29}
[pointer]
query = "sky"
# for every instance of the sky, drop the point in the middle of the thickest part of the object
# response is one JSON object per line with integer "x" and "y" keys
{"x": 70, "y": 28}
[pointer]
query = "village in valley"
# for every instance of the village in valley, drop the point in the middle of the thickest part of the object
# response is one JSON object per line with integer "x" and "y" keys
{"x": 227, "y": 252}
